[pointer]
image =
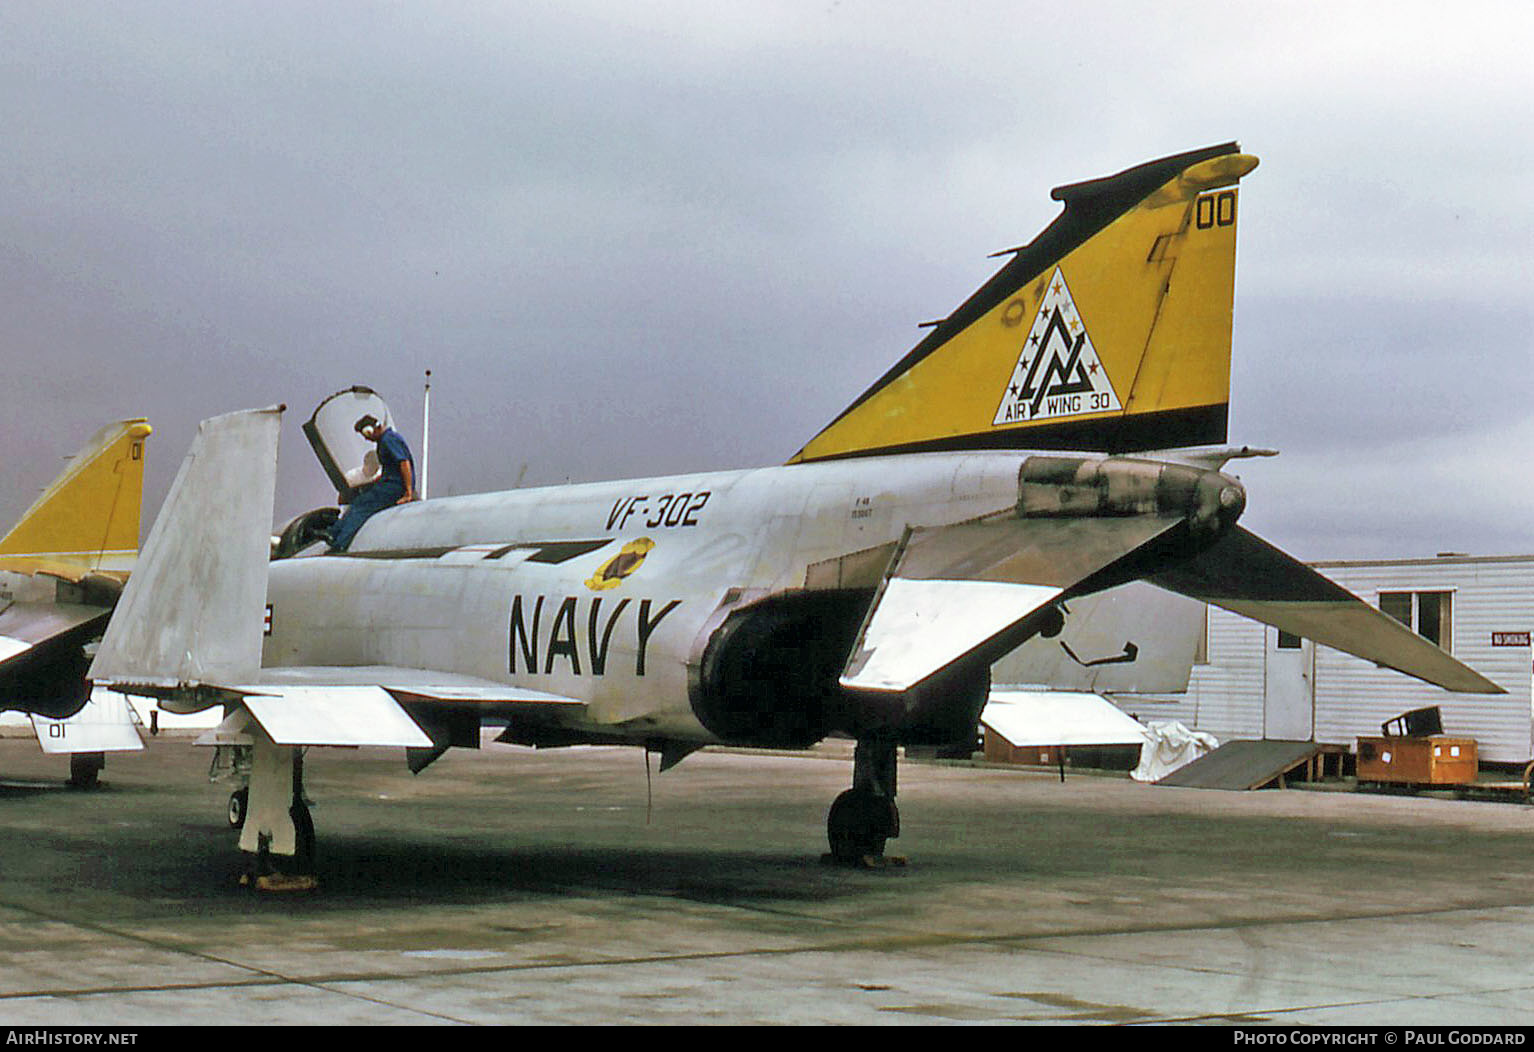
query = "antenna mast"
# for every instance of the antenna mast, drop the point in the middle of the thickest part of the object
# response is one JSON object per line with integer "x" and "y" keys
{"x": 425, "y": 435}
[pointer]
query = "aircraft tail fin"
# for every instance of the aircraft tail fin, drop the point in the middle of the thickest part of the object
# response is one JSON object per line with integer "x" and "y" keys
{"x": 88, "y": 517}
{"x": 191, "y": 613}
{"x": 1109, "y": 332}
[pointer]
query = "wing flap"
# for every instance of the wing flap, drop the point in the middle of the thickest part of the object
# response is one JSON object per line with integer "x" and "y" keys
{"x": 1248, "y": 576}
{"x": 952, "y": 592}
{"x": 354, "y": 706}
{"x": 413, "y": 684}
{"x": 337, "y": 715}
{"x": 921, "y": 627}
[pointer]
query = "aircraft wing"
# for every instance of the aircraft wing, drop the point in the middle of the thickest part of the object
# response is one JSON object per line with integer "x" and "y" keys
{"x": 410, "y": 684}
{"x": 973, "y": 591}
{"x": 953, "y": 591}
{"x": 105, "y": 724}
{"x": 1246, "y": 575}
{"x": 40, "y": 673}
{"x": 373, "y": 705}
{"x": 28, "y": 630}
{"x": 40, "y": 663}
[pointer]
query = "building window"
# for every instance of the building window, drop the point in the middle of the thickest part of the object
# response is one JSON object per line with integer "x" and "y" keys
{"x": 1288, "y": 640}
{"x": 1398, "y": 605}
{"x": 1429, "y": 614}
{"x": 1433, "y": 616}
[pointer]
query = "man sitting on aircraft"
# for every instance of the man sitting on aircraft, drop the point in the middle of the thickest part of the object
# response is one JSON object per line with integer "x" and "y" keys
{"x": 396, "y": 484}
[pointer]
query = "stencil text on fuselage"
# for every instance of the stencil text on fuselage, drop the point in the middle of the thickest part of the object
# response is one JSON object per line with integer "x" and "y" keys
{"x": 577, "y": 632}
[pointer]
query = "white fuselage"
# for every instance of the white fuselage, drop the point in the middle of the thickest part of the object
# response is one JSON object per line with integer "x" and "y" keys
{"x": 436, "y": 585}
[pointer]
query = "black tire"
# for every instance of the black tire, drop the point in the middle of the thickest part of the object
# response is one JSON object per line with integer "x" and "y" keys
{"x": 859, "y": 824}
{"x": 85, "y": 769}
{"x": 239, "y": 803}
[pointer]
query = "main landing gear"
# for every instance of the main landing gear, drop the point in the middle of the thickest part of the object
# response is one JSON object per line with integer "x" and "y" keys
{"x": 85, "y": 769}
{"x": 864, "y": 817}
{"x": 276, "y": 829}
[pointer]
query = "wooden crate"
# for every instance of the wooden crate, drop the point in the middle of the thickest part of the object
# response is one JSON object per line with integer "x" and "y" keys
{"x": 1434, "y": 760}
{"x": 999, "y": 750}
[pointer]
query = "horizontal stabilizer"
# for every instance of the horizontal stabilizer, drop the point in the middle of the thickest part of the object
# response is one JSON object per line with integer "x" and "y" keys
{"x": 954, "y": 592}
{"x": 105, "y": 724}
{"x": 1059, "y": 717}
{"x": 1248, "y": 576}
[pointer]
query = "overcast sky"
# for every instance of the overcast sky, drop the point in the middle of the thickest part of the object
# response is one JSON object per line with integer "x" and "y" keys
{"x": 641, "y": 238}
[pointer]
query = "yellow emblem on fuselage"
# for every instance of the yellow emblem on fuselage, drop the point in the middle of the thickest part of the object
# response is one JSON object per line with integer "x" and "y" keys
{"x": 612, "y": 573}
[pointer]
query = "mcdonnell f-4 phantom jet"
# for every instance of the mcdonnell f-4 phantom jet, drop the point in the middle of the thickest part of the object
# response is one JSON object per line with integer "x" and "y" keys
{"x": 62, "y": 568}
{"x": 863, "y": 589}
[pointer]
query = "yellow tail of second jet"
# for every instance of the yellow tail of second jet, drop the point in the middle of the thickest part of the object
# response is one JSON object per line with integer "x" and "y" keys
{"x": 1109, "y": 332}
{"x": 88, "y": 517}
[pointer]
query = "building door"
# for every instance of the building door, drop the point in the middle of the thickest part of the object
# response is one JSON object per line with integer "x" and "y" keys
{"x": 1289, "y": 688}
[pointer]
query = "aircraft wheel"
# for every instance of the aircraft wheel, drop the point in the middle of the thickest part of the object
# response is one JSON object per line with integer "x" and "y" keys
{"x": 859, "y": 824}
{"x": 239, "y": 801}
{"x": 85, "y": 769}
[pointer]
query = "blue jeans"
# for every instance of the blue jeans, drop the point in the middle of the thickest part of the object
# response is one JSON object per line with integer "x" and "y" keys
{"x": 380, "y": 495}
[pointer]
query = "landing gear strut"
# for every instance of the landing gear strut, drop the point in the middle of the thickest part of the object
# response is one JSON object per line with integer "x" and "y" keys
{"x": 85, "y": 769}
{"x": 864, "y": 817}
{"x": 277, "y": 835}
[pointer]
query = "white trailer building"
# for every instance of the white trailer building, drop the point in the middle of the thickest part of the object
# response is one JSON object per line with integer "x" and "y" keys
{"x": 1251, "y": 681}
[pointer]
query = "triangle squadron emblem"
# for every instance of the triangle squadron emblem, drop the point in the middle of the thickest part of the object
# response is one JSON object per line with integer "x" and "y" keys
{"x": 1058, "y": 372}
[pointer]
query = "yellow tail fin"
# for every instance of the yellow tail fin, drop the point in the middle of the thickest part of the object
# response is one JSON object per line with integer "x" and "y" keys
{"x": 88, "y": 517}
{"x": 1109, "y": 331}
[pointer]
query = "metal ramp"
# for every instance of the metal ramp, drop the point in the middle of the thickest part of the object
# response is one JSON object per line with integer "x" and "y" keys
{"x": 1244, "y": 765}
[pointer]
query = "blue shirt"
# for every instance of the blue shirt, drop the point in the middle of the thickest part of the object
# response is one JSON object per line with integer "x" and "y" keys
{"x": 392, "y": 452}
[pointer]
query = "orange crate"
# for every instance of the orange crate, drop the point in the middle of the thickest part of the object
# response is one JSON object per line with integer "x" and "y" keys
{"x": 1434, "y": 760}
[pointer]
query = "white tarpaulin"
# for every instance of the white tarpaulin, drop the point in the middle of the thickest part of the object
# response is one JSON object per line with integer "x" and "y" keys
{"x": 1170, "y": 745}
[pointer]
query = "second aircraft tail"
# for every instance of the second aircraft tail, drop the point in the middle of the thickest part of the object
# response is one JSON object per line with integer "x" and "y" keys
{"x": 88, "y": 517}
